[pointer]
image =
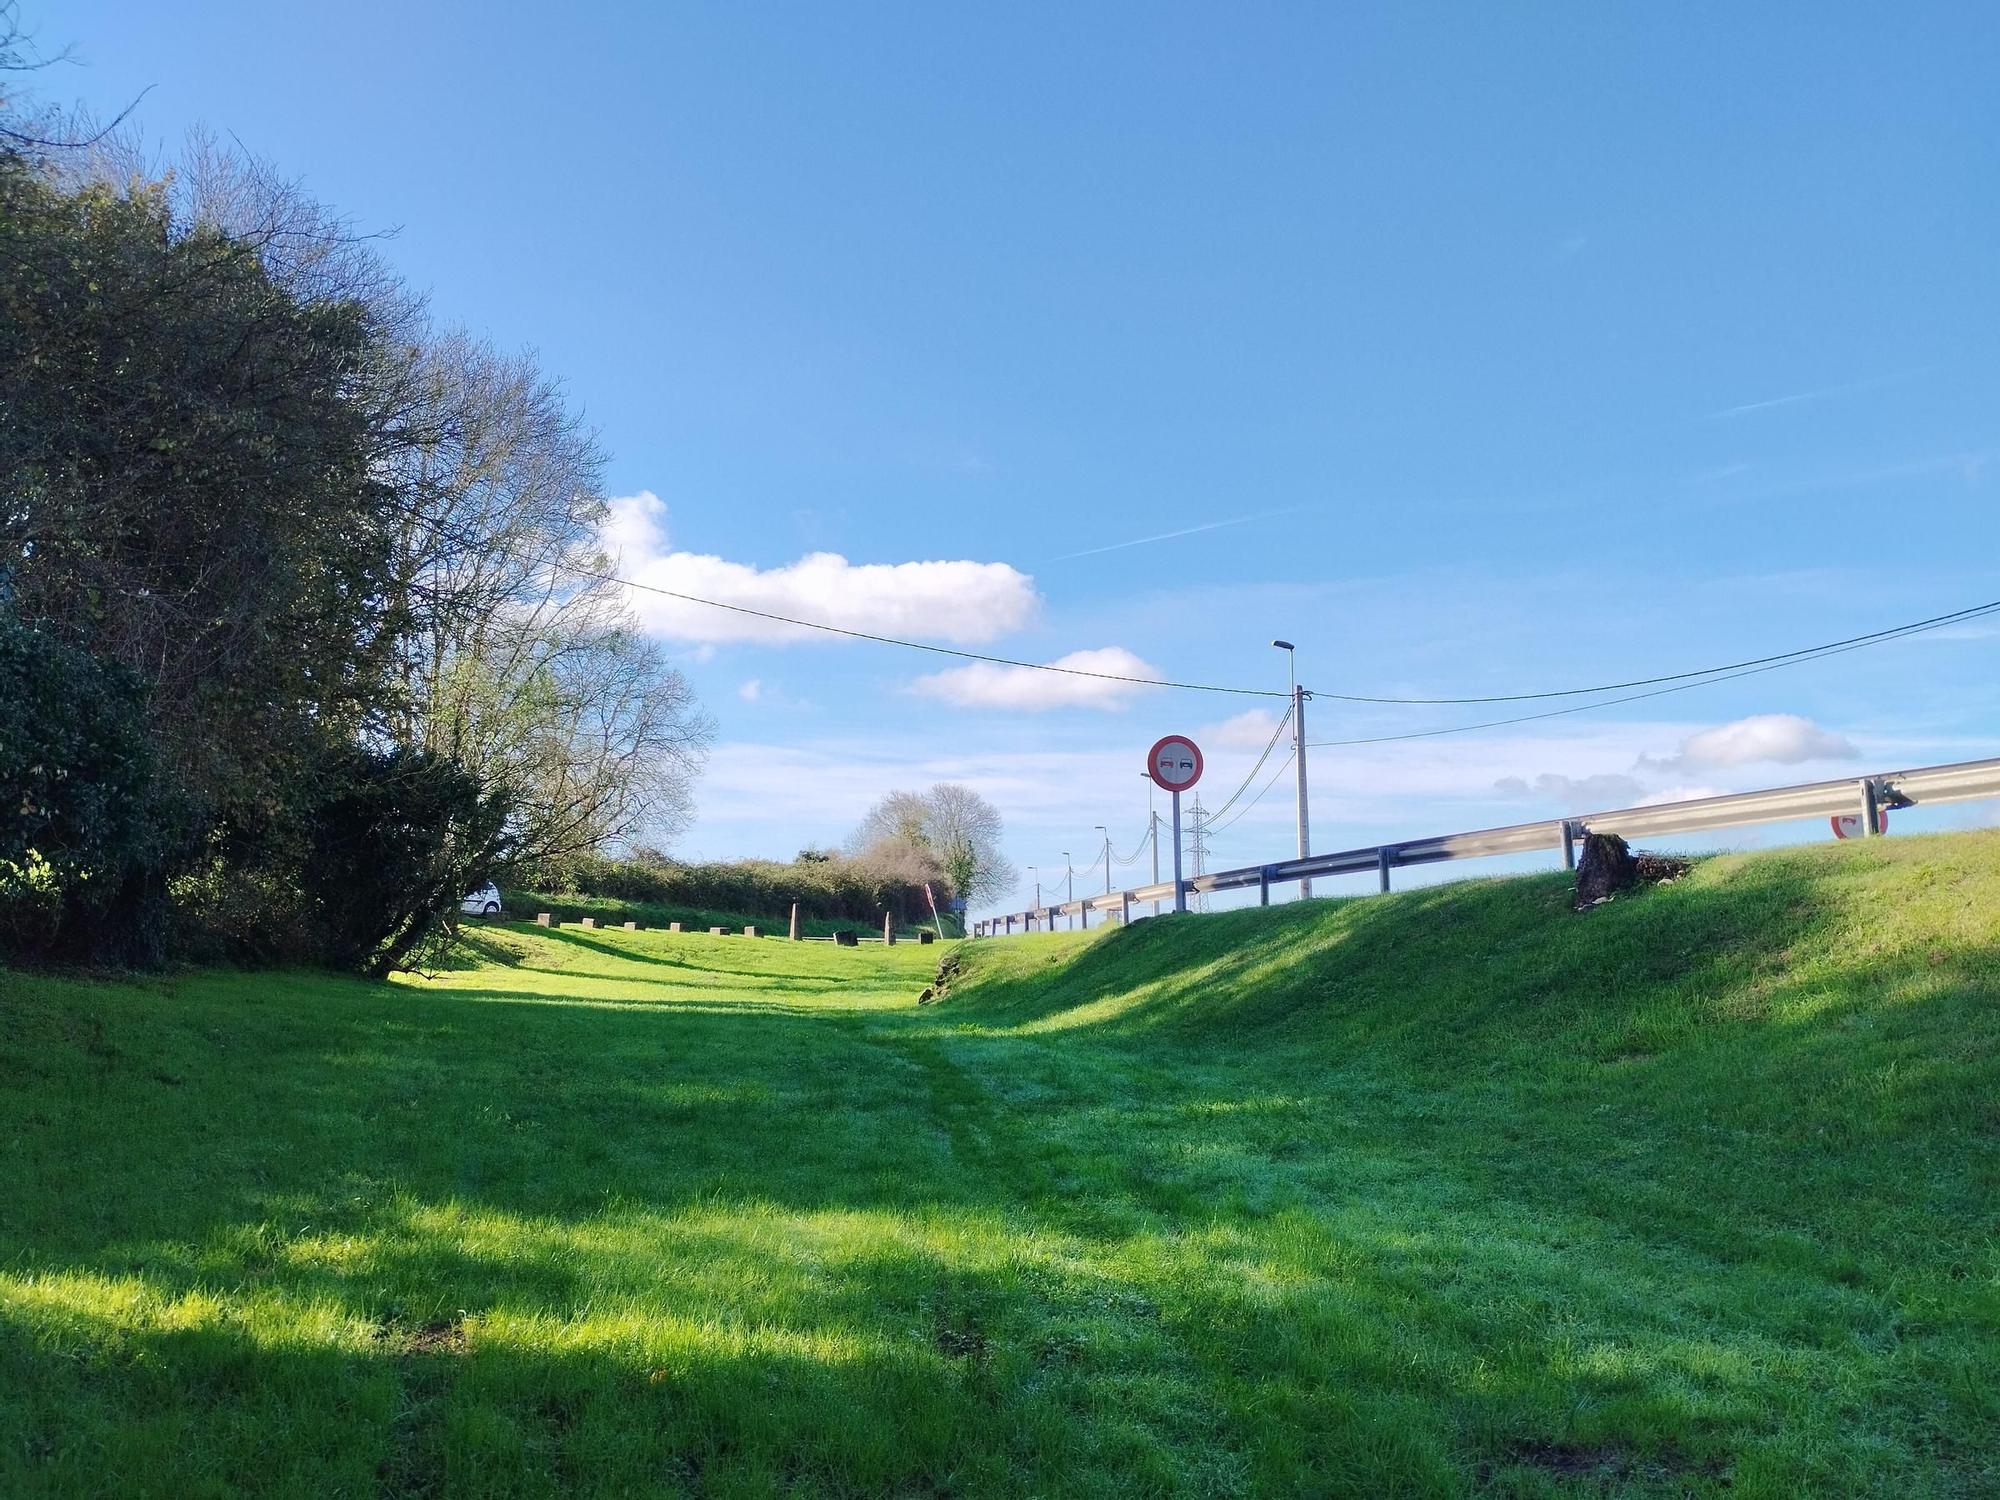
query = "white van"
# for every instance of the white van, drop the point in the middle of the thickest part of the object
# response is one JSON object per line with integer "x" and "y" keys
{"x": 484, "y": 902}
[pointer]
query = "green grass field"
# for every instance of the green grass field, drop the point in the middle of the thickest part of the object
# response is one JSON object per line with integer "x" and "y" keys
{"x": 1447, "y": 1192}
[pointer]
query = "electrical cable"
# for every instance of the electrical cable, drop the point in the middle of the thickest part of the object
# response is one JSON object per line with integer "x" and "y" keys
{"x": 1782, "y": 658}
{"x": 1554, "y": 713}
{"x": 1269, "y": 746}
{"x": 1211, "y": 826}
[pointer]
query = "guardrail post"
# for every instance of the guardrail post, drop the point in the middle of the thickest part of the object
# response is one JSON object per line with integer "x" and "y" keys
{"x": 1871, "y": 808}
{"x": 1569, "y": 844}
{"x": 1124, "y": 908}
{"x": 1384, "y": 857}
{"x": 1263, "y": 885}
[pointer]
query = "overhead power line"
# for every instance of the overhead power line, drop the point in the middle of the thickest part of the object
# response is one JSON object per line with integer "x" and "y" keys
{"x": 1837, "y": 649}
{"x": 890, "y": 640}
{"x": 1780, "y": 659}
{"x": 1269, "y": 746}
{"x": 1283, "y": 765}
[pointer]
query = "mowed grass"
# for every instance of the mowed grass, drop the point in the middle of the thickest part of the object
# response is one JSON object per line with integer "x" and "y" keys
{"x": 1448, "y": 1192}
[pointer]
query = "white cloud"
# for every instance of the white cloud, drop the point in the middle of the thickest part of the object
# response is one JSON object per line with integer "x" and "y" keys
{"x": 751, "y": 691}
{"x": 987, "y": 685}
{"x": 962, "y": 602}
{"x": 1782, "y": 739}
{"x": 1575, "y": 793}
{"x": 1250, "y": 730}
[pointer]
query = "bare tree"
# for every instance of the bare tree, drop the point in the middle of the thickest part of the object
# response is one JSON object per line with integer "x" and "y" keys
{"x": 517, "y": 661}
{"x": 951, "y": 824}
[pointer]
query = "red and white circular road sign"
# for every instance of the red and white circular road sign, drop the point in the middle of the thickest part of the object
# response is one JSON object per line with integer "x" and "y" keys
{"x": 1848, "y": 825}
{"x": 1174, "y": 763}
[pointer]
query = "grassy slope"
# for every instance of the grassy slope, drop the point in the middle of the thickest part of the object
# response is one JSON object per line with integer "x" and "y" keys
{"x": 1452, "y": 1190}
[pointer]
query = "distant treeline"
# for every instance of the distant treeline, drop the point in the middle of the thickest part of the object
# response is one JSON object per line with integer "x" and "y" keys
{"x": 826, "y": 887}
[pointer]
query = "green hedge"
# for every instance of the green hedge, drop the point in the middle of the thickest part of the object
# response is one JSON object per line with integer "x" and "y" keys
{"x": 835, "y": 891}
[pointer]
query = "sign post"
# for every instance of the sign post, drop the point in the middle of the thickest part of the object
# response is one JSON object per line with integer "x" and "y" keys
{"x": 1175, "y": 763}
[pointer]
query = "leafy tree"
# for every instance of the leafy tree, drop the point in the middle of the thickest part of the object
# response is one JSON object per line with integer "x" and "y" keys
{"x": 186, "y": 489}
{"x": 79, "y": 867}
{"x": 403, "y": 836}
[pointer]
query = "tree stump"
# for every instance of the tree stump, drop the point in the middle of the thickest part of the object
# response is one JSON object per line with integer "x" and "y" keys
{"x": 1607, "y": 867}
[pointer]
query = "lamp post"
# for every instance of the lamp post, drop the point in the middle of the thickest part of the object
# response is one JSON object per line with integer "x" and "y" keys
{"x": 1107, "y": 857}
{"x": 1069, "y": 887}
{"x": 1298, "y": 754}
{"x": 1036, "y": 871}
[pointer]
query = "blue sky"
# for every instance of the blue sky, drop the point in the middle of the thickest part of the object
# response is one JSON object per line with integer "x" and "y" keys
{"x": 1512, "y": 347}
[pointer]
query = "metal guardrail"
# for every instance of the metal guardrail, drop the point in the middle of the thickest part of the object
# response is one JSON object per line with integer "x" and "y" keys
{"x": 1964, "y": 781}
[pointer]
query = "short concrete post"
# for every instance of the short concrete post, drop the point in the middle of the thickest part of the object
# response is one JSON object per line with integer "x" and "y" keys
{"x": 1007, "y": 924}
{"x": 889, "y": 928}
{"x": 1384, "y": 858}
{"x": 631, "y": 926}
{"x": 544, "y": 919}
{"x": 718, "y": 932}
{"x": 675, "y": 927}
{"x": 590, "y": 922}
{"x": 795, "y": 922}
{"x": 1124, "y": 908}
{"x": 1263, "y": 885}
{"x": 751, "y": 932}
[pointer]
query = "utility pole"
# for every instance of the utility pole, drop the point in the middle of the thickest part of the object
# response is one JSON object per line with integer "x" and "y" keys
{"x": 1069, "y": 887}
{"x": 1036, "y": 871}
{"x": 1154, "y": 839}
{"x": 1299, "y": 756}
{"x": 1107, "y": 857}
{"x": 1152, "y": 832}
{"x": 1198, "y": 845}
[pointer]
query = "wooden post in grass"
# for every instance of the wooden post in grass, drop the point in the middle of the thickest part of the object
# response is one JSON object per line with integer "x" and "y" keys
{"x": 1384, "y": 858}
{"x": 675, "y": 927}
{"x": 1124, "y": 908}
{"x": 544, "y": 919}
{"x": 1263, "y": 885}
{"x": 1569, "y": 844}
{"x": 795, "y": 922}
{"x": 889, "y": 927}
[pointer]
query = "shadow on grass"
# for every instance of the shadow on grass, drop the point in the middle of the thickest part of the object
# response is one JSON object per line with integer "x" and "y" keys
{"x": 1458, "y": 1189}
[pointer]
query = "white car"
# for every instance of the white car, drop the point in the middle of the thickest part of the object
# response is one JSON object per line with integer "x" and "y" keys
{"x": 484, "y": 902}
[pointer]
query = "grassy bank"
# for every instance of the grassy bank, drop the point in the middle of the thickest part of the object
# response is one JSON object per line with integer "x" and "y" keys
{"x": 1451, "y": 1191}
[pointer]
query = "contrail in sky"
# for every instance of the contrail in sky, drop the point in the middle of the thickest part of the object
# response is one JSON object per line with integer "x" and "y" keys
{"x": 1168, "y": 536}
{"x": 1832, "y": 390}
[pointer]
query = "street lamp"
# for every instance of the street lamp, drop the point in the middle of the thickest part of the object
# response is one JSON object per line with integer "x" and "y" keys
{"x": 1069, "y": 887}
{"x": 1298, "y": 753}
{"x": 1036, "y": 871}
{"x": 1107, "y": 857}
